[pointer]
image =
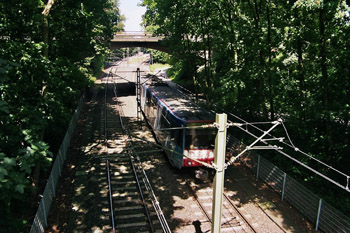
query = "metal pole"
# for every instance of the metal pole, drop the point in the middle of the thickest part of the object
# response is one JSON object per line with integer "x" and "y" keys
{"x": 318, "y": 214}
{"x": 59, "y": 163}
{"x": 220, "y": 149}
{"x": 53, "y": 186}
{"x": 258, "y": 168}
{"x": 138, "y": 96}
{"x": 44, "y": 210}
{"x": 284, "y": 185}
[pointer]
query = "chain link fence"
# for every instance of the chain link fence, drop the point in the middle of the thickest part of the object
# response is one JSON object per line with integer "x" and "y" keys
{"x": 325, "y": 217}
{"x": 40, "y": 219}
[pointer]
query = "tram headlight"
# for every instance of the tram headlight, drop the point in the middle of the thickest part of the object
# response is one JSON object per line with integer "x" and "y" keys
{"x": 211, "y": 155}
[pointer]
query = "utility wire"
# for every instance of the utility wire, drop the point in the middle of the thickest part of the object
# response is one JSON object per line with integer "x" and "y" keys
{"x": 291, "y": 145}
{"x": 296, "y": 160}
{"x": 253, "y": 124}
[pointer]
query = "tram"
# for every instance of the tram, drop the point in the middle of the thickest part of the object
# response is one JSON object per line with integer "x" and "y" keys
{"x": 165, "y": 108}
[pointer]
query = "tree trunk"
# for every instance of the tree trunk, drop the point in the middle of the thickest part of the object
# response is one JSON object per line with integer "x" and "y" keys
{"x": 45, "y": 13}
{"x": 301, "y": 80}
{"x": 324, "y": 78}
{"x": 261, "y": 80}
{"x": 269, "y": 73}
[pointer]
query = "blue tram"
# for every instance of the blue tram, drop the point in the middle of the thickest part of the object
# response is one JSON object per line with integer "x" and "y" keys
{"x": 166, "y": 107}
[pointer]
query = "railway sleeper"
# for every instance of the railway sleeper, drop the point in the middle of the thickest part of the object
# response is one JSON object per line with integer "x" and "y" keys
{"x": 127, "y": 223}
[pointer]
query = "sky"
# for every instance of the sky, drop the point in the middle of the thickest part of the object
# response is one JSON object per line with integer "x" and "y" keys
{"x": 133, "y": 14}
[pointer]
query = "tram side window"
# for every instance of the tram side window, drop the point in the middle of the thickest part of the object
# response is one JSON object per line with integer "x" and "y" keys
{"x": 164, "y": 122}
{"x": 142, "y": 94}
{"x": 148, "y": 97}
{"x": 178, "y": 137}
{"x": 171, "y": 123}
{"x": 154, "y": 106}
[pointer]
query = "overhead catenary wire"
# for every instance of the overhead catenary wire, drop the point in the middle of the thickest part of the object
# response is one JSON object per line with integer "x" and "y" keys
{"x": 175, "y": 152}
{"x": 346, "y": 187}
{"x": 206, "y": 126}
{"x": 278, "y": 149}
{"x": 258, "y": 139}
{"x": 291, "y": 145}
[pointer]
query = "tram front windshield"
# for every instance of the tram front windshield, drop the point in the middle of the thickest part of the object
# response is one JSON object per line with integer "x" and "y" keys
{"x": 200, "y": 139}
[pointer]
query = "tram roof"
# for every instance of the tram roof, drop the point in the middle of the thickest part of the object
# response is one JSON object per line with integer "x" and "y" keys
{"x": 180, "y": 104}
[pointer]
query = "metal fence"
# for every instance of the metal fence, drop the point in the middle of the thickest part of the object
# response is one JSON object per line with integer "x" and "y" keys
{"x": 325, "y": 217}
{"x": 40, "y": 220}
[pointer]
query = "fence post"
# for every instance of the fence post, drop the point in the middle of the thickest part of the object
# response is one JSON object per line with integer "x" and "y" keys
{"x": 53, "y": 186}
{"x": 59, "y": 162}
{"x": 257, "y": 168}
{"x": 44, "y": 211}
{"x": 318, "y": 214}
{"x": 284, "y": 184}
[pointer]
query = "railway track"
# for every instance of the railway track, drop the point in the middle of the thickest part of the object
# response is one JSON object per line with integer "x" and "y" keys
{"x": 133, "y": 206}
{"x": 132, "y": 203}
{"x": 232, "y": 219}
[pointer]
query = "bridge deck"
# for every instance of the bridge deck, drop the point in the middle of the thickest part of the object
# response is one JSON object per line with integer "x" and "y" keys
{"x": 122, "y": 40}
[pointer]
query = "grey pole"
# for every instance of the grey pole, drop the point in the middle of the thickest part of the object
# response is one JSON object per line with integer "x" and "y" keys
{"x": 318, "y": 214}
{"x": 138, "y": 97}
{"x": 284, "y": 185}
{"x": 219, "y": 160}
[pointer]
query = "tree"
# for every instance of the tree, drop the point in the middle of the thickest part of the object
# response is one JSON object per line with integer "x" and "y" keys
{"x": 264, "y": 59}
{"x": 41, "y": 76}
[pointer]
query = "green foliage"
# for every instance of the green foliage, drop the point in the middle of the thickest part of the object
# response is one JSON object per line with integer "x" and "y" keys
{"x": 39, "y": 93}
{"x": 268, "y": 59}
{"x": 158, "y": 56}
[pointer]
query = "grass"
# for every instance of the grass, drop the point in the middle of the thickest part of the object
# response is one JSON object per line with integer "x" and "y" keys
{"x": 157, "y": 66}
{"x": 135, "y": 60}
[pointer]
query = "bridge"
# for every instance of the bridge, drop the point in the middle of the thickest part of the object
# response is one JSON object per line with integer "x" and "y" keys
{"x": 137, "y": 39}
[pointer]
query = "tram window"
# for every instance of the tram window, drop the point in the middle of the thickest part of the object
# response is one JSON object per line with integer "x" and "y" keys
{"x": 154, "y": 106}
{"x": 178, "y": 137}
{"x": 200, "y": 139}
{"x": 172, "y": 123}
{"x": 164, "y": 123}
{"x": 142, "y": 92}
{"x": 148, "y": 96}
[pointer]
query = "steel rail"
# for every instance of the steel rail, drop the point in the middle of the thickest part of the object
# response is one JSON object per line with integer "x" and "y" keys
{"x": 195, "y": 197}
{"x": 108, "y": 171}
{"x": 148, "y": 216}
{"x": 154, "y": 200}
{"x": 257, "y": 205}
{"x": 110, "y": 196}
{"x": 149, "y": 220}
{"x": 240, "y": 213}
